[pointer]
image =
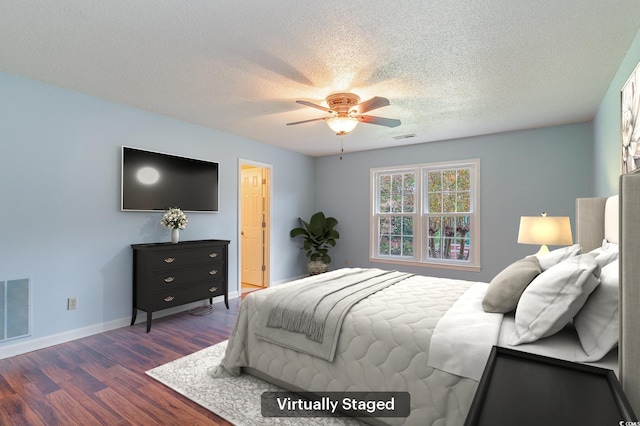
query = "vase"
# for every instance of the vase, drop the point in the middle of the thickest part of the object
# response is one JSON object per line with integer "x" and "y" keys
{"x": 315, "y": 267}
{"x": 175, "y": 235}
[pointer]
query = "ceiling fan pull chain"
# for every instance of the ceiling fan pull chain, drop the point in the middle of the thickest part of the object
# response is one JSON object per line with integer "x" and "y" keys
{"x": 341, "y": 147}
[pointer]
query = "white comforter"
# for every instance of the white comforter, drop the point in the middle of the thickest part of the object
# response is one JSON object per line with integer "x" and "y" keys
{"x": 384, "y": 345}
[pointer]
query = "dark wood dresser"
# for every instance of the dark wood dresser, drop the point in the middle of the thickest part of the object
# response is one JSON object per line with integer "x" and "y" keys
{"x": 167, "y": 275}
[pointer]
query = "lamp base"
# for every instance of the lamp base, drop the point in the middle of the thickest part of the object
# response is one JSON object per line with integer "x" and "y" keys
{"x": 543, "y": 250}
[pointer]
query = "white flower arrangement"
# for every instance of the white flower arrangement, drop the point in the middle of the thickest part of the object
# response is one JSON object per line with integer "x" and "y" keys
{"x": 174, "y": 218}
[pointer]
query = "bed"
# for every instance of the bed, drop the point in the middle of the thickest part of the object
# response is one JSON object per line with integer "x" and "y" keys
{"x": 430, "y": 336}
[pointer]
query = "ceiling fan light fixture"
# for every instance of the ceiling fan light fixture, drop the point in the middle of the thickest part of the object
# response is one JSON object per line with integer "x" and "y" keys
{"x": 342, "y": 124}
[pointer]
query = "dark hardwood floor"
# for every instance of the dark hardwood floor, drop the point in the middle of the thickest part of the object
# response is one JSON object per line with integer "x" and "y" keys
{"x": 101, "y": 380}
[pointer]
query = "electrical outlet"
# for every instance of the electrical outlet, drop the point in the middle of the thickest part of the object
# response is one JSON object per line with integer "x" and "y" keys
{"x": 346, "y": 262}
{"x": 72, "y": 303}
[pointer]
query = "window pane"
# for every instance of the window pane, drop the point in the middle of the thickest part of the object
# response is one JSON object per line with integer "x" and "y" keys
{"x": 435, "y": 182}
{"x": 407, "y": 246}
{"x": 463, "y": 202}
{"x": 408, "y": 206}
{"x": 435, "y": 203}
{"x": 396, "y": 225}
{"x": 464, "y": 180}
{"x": 396, "y": 248}
{"x": 463, "y": 226}
{"x": 384, "y": 225}
{"x": 449, "y": 180}
{"x": 407, "y": 226}
{"x": 433, "y": 238}
{"x": 385, "y": 184}
{"x": 396, "y": 203}
{"x": 434, "y": 226}
{"x": 448, "y": 232}
{"x": 384, "y": 245}
{"x": 449, "y": 202}
{"x": 409, "y": 183}
{"x": 396, "y": 184}
{"x": 385, "y": 203}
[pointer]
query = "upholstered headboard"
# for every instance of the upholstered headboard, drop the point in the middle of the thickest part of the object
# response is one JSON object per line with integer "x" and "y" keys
{"x": 617, "y": 219}
{"x": 597, "y": 219}
{"x": 629, "y": 344}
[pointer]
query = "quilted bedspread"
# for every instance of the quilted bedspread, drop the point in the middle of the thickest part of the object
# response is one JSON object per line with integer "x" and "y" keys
{"x": 383, "y": 345}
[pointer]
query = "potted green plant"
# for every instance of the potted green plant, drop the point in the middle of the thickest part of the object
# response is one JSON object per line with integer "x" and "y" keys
{"x": 318, "y": 236}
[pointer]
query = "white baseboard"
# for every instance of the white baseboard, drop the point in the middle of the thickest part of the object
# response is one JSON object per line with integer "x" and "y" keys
{"x": 23, "y": 347}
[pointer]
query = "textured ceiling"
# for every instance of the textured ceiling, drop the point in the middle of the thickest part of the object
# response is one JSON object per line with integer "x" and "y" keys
{"x": 450, "y": 68}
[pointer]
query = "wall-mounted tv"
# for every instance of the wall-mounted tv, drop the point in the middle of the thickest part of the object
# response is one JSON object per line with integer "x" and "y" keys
{"x": 155, "y": 181}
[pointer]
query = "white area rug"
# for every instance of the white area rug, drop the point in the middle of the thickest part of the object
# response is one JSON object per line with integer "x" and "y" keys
{"x": 236, "y": 399}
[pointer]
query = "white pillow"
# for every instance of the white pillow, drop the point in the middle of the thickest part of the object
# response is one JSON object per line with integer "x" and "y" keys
{"x": 605, "y": 254}
{"x": 597, "y": 322}
{"x": 554, "y": 297}
{"x": 609, "y": 245}
{"x": 556, "y": 256}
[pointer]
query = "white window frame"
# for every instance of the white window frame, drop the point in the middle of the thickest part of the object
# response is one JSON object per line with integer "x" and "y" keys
{"x": 420, "y": 242}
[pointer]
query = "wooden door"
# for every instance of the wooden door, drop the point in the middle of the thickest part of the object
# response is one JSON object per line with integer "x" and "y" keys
{"x": 253, "y": 223}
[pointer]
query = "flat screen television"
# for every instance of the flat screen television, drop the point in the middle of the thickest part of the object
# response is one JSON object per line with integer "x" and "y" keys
{"x": 153, "y": 181}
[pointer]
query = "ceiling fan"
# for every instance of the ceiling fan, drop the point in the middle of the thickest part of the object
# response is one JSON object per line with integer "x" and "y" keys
{"x": 347, "y": 111}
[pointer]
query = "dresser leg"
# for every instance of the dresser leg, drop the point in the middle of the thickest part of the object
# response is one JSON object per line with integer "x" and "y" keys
{"x": 134, "y": 314}
{"x": 149, "y": 321}
{"x": 226, "y": 300}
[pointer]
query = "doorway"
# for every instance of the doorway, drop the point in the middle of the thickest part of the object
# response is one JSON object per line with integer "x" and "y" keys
{"x": 254, "y": 220}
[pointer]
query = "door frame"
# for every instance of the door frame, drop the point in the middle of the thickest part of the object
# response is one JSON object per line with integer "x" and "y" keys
{"x": 267, "y": 236}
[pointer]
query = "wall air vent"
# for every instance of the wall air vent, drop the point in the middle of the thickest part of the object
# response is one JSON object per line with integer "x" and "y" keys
{"x": 15, "y": 307}
{"x": 407, "y": 136}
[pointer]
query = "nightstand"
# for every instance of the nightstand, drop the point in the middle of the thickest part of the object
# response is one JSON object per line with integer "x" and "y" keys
{"x": 519, "y": 388}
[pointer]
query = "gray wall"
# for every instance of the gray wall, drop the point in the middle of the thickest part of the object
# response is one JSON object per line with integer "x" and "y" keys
{"x": 60, "y": 192}
{"x": 522, "y": 174}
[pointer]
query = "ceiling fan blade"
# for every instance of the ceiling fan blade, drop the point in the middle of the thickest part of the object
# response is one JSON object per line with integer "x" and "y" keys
{"x": 307, "y": 121}
{"x": 371, "y": 104}
{"x": 370, "y": 119}
{"x": 312, "y": 105}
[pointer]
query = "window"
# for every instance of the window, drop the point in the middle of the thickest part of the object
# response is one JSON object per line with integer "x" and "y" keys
{"x": 426, "y": 214}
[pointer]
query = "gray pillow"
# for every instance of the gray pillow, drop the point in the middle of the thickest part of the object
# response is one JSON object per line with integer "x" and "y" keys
{"x": 506, "y": 288}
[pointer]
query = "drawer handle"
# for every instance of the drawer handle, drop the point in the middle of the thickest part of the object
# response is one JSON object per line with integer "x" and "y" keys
{"x": 168, "y": 299}
{"x": 213, "y": 272}
{"x": 212, "y": 255}
{"x": 212, "y": 289}
{"x": 169, "y": 279}
{"x": 169, "y": 260}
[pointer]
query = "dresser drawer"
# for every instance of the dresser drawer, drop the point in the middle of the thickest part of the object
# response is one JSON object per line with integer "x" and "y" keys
{"x": 177, "y": 278}
{"x": 178, "y": 297}
{"x": 170, "y": 259}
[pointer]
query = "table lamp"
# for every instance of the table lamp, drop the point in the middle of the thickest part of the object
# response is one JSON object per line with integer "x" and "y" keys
{"x": 545, "y": 230}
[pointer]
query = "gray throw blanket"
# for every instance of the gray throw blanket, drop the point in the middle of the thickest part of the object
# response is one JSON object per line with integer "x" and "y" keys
{"x": 307, "y": 317}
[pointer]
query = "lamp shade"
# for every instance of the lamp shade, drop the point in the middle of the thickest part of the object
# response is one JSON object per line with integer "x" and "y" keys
{"x": 545, "y": 230}
{"x": 342, "y": 124}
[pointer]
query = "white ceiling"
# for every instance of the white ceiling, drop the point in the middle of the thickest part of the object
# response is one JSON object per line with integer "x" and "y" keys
{"x": 450, "y": 68}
